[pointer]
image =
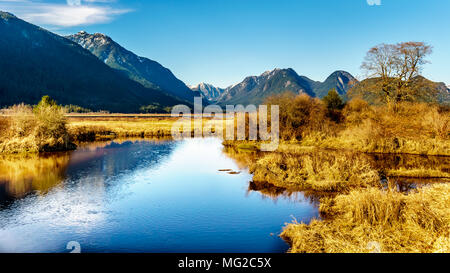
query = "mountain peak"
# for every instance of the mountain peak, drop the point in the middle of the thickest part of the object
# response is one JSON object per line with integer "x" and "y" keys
{"x": 270, "y": 72}
{"x": 72, "y": 74}
{"x": 254, "y": 89}
{"x": 6, "y": 15}
{"x": 208, "y": 91}
{"x": 89, "y": 40}
{"x": 145, "y": 71}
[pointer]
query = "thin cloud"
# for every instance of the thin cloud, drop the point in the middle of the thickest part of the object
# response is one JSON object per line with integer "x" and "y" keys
{"x": 68, "y": 14}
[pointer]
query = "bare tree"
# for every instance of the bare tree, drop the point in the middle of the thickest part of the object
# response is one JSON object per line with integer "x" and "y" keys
{"x": 397, "y": 66}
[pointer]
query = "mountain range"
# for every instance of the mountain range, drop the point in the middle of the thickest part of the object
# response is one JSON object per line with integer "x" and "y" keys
{"x": 35, "y": 62}
{"x": 208, "y": 91}
{"x": 95, "y": 72}
{"x": 149, "y": 73}
{"x": 255, "y": 89}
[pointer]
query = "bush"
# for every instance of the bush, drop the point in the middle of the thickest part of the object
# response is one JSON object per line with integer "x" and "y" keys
{"x": 38, "y": 129}
{"x": 299, "y": 115}
{"x": 51, "y": 128}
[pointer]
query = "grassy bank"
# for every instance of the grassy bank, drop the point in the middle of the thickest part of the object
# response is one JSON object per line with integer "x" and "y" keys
{"x": 359, "y": 212}
{"x": 316, "y": 171}
{"x": 412, "y": 128}
{"x": 90, "y": 129}
{"x": 376, "y": 220}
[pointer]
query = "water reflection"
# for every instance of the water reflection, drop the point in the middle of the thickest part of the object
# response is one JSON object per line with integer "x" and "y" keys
{"x": 141, "y": 196}
{"x": 275, "y": 193}
{"x": 22, "y": 175}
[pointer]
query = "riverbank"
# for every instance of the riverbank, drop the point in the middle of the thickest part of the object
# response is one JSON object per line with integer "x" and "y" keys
{"x": 377, "y": 220}
{"x": 368, "y": 202}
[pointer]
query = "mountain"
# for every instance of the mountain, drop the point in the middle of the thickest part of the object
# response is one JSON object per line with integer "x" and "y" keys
{"x": 255, "y": 89}
{"x": 340, "y": 80}
{"x": 35, "y": 62}
{"x": 145, "y": 71}
{"x": 208, "y": 91}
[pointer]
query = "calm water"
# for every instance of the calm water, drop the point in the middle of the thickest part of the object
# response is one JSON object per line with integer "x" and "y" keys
{"x": 140, "y": 196}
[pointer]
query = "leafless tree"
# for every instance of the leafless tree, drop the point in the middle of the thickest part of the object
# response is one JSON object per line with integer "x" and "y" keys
{"x": 397, "y": 66}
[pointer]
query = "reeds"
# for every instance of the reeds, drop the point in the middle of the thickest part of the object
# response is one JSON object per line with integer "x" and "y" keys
{"x": 376, "y": 220}
{"x": 318, "y": 171}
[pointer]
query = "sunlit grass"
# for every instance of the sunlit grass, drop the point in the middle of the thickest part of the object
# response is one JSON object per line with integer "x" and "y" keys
{"x": 85, "y": 129}
{"x": 372, "y": 220}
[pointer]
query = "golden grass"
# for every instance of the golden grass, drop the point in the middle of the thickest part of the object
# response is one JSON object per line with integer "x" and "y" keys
{"x": 106, "y": 127}
{"x": 368, "y": 220}
{"x": 95, "y": 129}
{"x": 317, "y": 171}
{"x": 414, "y": 128}
{"x": 32, "y": 130}
{"x": 417, "y": 173}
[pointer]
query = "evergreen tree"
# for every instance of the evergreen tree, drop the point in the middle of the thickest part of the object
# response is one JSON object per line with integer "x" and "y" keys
{"x": 333, "y": 100}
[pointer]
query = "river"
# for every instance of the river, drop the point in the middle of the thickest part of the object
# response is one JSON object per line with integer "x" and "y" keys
{"x": 141, "y": 196}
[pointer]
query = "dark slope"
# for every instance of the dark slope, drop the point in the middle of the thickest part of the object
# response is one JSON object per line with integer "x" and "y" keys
{"x": 145, "y": 71}
{"x": 35, "y": 62}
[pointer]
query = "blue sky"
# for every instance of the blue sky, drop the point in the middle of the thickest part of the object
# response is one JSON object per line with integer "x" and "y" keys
{"x": 223, "y": 41}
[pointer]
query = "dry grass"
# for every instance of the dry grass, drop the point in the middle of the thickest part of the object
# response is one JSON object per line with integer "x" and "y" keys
{"x": 31, "y": 130}
{"x": 95, "y": 129}
{"x": 317, "y": 171}
{"x": 415, "y": 128}
{"x": 368, "y": 220}
{"x": 99, "y": 128}
{"x": 418, "y": 173}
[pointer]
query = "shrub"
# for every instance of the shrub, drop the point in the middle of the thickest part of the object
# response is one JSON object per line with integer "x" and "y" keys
{"x": 299, "y": 115}
{"x": 51, "y": 128}
{"x": 38, "y": 129}
{"x": 357, "y": 110}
